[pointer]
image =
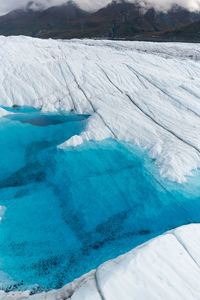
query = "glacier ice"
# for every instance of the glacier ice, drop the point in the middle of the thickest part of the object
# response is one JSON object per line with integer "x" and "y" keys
{"x": 70, "y": 209}
{"x": 137, "y": 94}
{"x": 165, "y": 267}
{"x": 146, "y": 93}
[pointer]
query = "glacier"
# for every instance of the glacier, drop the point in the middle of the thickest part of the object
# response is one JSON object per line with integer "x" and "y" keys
{"x": 146, "y": 93}
{"x": 134, "y": 95}
{"x": 66, "y": 211}
{"x": 165, "y": 267}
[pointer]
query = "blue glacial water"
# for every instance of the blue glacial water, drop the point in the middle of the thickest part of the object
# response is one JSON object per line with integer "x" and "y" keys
{"x": 67, "y": 211}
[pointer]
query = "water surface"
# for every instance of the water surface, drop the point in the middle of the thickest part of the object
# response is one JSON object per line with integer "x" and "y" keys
{"x": 69, "y": 210}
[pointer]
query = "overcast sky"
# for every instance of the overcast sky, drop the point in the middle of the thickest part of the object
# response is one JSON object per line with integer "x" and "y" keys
{"x": 8, "y": 5}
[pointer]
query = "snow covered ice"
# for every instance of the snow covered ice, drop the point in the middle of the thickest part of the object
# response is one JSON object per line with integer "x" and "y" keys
{"x": 141, "y": 119}
{"x": 146, "y": 93}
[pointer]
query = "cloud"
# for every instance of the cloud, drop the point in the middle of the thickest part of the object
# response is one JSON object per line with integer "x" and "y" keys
{"x": 9, "y": 5}
{"x": 163, "y": 5}
{"x": 160, "y": 5}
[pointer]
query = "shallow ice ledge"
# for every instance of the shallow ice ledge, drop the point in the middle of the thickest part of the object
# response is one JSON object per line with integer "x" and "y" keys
{"x": 166, "y": 267}
{"x": 146, "y": 93}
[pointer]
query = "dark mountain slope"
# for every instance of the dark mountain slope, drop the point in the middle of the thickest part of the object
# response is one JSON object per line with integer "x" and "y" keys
{"x": 190, "y": 33}
{"x": 33, "y": 22}
{"x": 116, "y": 20}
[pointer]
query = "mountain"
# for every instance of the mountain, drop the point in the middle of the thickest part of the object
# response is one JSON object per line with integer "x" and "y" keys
{"x": 33, "y": 22}
{"x": 123, "y": 19}
{"x": 190, "y": 32}
{"x": 116, "y": 20}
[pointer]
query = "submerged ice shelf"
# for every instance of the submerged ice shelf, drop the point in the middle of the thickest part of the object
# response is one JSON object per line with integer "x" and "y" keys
{"x": 67, "y": 211}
